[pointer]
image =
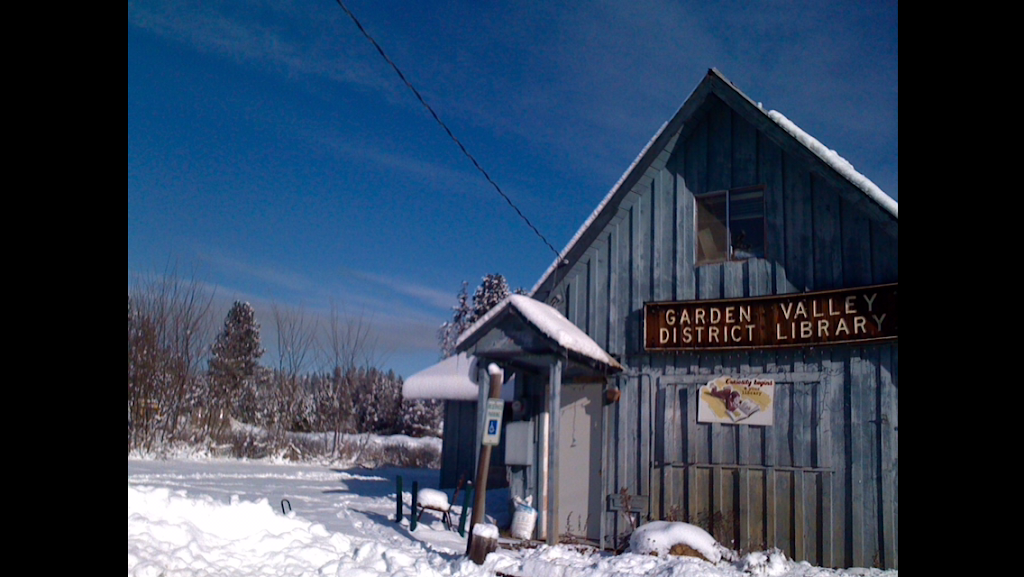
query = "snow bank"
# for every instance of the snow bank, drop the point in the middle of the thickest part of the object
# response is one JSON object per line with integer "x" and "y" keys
{"x": 340, "y": 528}
{"x": 765, "y": 564}
{"x": 659, "y": 536}
{"x": 170, "y": 535}
{"x": 563, "y": 561}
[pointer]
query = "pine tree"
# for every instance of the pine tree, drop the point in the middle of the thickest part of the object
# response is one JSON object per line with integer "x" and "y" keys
{"x": 492, "y": 290}
{"x": 236, "y": 354}
{"x": 462, "y": 315}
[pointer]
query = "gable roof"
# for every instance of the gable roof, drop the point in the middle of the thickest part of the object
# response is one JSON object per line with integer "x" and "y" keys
{"x": 561, "y": 335}
{"x": 832, "y": 166}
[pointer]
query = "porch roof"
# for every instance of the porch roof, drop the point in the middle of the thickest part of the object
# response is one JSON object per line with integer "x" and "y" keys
{"x": 451, "y": 379}
{"x": 521, "y": 331}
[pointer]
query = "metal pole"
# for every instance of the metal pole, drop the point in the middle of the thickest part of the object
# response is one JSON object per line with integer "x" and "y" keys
{"x": 465, "y": 508}
{"x": 399, "y": 505}
{"x": 414, "y": 518}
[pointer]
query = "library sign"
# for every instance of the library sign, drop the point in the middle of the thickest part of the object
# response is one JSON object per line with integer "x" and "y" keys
{"x": 807, "y": 319}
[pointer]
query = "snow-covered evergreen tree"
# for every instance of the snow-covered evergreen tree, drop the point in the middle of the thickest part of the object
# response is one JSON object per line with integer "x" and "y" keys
{"x": 377, "y": 400}
{"x": 237, "y": 349}
{"x": 236, "y": 353}
{"x": 422, "y": 418}
{"x": 462, "y": 313}
{"x": 492, "y": 290}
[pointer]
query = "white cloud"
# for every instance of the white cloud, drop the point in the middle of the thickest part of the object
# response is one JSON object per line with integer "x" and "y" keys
{"x": 277, "y": 36}
{"x": 424, "y": 294}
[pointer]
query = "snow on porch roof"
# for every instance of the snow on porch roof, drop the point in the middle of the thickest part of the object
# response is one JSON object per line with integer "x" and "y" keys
{"x": 450, "y": 379}
{"x": 548, "y": 322}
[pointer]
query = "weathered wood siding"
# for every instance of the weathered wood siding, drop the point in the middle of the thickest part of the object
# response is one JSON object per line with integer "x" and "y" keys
{"x": 822, "y": 484}
{"x": 458, "y": 449}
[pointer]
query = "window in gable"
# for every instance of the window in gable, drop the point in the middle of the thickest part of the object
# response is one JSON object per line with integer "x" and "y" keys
{"x": 730, "y": 225}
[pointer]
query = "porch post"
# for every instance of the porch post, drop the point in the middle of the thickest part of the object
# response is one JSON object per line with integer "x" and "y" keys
{"x": 554, "y": 409}
{"x": 483, "y": 392}
{"x": 541, "y": 486}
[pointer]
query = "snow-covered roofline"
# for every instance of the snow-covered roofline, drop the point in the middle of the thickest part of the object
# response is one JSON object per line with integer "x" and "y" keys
{"x": 451, "y": 379}
{"x": 838, "y": 163}
{"x": 549, "y": 322}
{"x": 842, "y": 166}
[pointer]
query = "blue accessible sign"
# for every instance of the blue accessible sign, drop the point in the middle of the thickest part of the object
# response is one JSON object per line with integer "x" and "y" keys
{"x": 492, "y": 433}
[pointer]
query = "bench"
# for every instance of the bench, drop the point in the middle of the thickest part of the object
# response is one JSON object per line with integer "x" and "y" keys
{"x": 434, "y": 500}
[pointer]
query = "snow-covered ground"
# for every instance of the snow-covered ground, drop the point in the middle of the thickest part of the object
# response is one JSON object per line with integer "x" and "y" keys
{"x": 224, "y": 518}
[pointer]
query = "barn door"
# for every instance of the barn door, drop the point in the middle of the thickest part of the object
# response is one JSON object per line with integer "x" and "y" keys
{"x": 752, "y": 487}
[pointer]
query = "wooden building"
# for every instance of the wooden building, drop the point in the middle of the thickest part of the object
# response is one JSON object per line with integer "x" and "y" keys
{"x": 455, "y": 382}
{"x": 743, "y": 279}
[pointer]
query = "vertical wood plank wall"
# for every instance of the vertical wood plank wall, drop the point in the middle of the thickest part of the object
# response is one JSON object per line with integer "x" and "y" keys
{"x": 459, "y": 442}
{"x": 822, "y": 484}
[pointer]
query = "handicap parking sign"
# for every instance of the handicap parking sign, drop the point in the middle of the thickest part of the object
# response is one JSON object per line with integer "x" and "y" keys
{"x": 495, "y": 409}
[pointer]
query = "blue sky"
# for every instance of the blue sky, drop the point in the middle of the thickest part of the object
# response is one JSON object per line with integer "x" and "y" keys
{"x": 275, "y": 154}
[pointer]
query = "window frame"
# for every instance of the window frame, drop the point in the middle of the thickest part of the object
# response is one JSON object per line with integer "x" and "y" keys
{"x": 730, "y": 253}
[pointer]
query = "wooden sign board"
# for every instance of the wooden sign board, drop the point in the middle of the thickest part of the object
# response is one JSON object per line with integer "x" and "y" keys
{"x": 807, "y": 319}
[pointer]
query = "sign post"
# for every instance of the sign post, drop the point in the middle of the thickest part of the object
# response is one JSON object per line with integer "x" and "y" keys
{"x": 478, "y": 547}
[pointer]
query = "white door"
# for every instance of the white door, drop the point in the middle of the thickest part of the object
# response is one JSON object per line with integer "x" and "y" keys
{"x": 579, "y": 455}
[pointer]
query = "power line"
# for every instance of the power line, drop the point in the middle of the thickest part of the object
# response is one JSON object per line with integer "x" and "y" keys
{"x": 444, "y": 126}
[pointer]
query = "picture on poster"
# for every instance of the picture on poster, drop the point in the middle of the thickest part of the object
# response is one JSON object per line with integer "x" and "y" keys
{"x": 737, "y": 401}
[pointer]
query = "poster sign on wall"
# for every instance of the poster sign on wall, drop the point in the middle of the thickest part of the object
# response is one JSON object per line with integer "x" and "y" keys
{"x": 737, "y": 401}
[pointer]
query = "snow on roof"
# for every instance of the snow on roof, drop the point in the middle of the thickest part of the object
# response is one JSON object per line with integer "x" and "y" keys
{"x": 840, "y": 164}
{"x": 550, "y": 323}
{"x": 830, "y": 157}
{"x": 451, "y": 379}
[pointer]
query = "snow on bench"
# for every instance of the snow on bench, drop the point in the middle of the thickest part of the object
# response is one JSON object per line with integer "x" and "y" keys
{"x": 435, "y": 501}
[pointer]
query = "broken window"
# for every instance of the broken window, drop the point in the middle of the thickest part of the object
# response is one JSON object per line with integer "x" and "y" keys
{"x": 730, "y": 225}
